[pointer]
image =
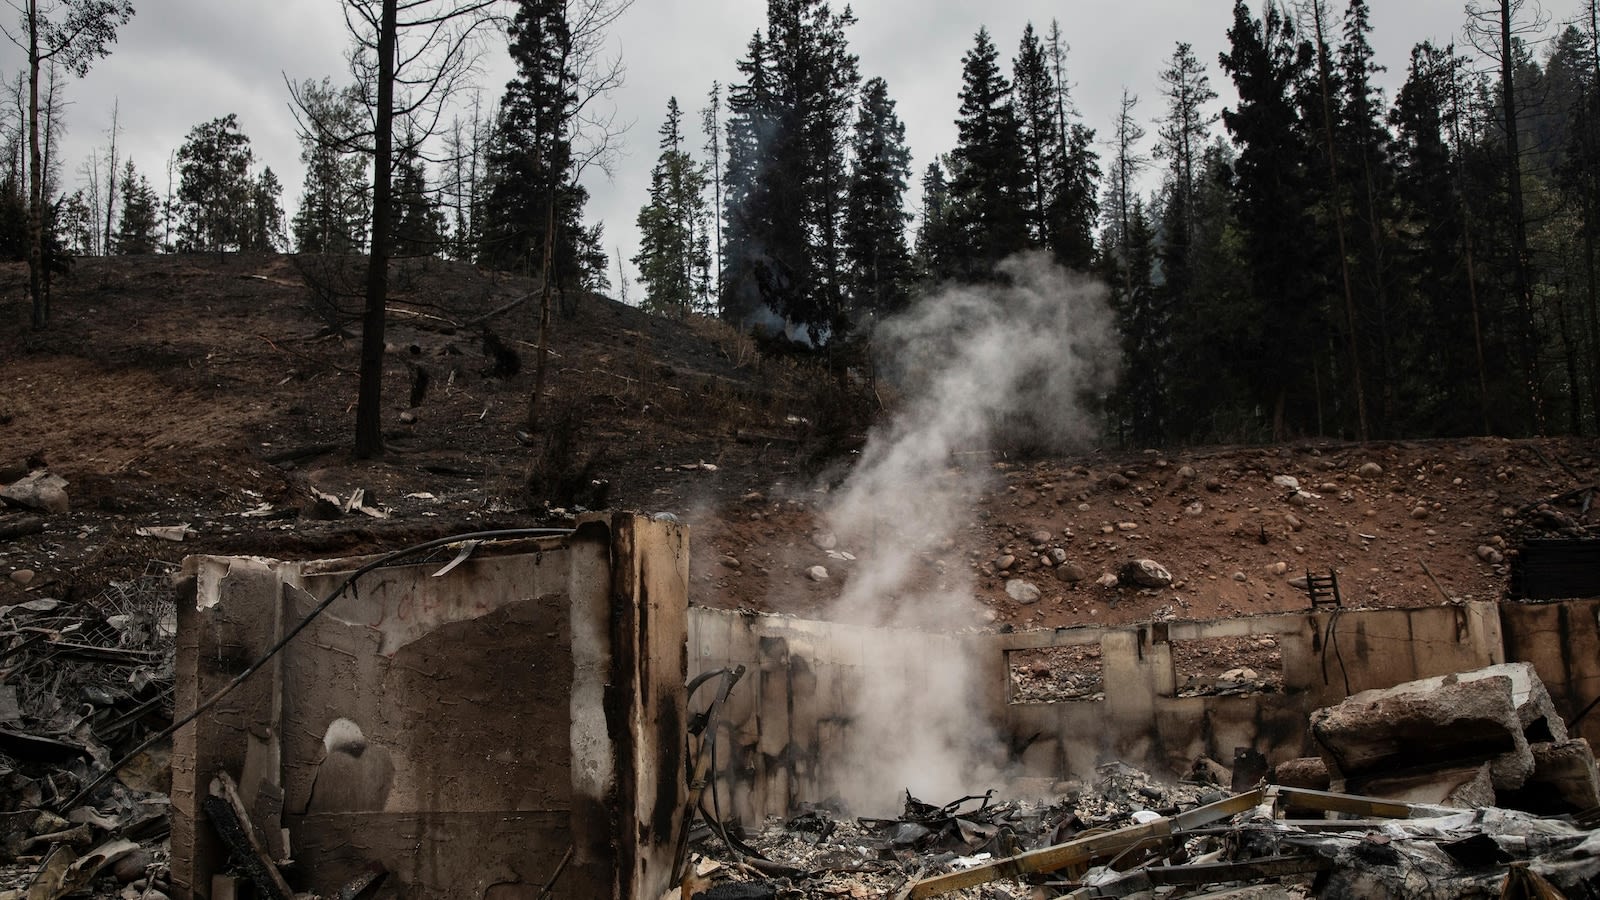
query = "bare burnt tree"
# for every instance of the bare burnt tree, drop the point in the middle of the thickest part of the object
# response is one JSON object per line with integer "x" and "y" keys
{"x": 72, "y": 34}
{"x": 587, "y": 74}
{"x": 408, "y": 58}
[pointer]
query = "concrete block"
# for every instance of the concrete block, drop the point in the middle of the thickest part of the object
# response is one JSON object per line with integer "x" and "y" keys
{"x": 1564, "y": 780}
{"x": 1308, "y": 772}
{"x": 1465, "y": 787}
{"x": 1405, "y": 729}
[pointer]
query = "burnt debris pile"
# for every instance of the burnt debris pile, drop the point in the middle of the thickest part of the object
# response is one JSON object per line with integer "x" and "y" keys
{"x": 82, "y": 686}
{"x": 1467, "y": 785}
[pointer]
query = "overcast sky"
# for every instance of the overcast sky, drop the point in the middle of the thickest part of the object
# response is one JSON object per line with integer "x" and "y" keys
{"x": 182, "y": 62}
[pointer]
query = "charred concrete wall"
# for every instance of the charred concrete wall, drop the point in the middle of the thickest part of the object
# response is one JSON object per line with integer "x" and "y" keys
{"x": 515, "y": 720}
{"x": 785, "y": 732}
{"x": 1562, "y": 640}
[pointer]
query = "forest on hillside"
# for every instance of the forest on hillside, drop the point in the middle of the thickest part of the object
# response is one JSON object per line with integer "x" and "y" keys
{"x": 1317, "y": 259}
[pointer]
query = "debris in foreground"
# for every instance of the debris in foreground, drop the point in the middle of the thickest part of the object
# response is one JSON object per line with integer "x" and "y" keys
{"x": 1431, "y": 760}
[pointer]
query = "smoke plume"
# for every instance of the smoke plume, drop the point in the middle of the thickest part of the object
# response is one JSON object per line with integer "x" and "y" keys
{"x": 1019, "y": 364}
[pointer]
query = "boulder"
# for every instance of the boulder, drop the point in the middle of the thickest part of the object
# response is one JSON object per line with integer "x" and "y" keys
{"x": 1071, "y": 573}
{"x": 1564, "y": 780}
{"x": 1146, "y": 573}
{"x": 1456, "y": 721}
{"x": 38, "y": 491}
{"x": 1023, "y": 592}
{"x": 1309, "y": 772}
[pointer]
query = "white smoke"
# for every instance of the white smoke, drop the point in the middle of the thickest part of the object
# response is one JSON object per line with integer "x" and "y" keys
{"x": 981, "y": 366}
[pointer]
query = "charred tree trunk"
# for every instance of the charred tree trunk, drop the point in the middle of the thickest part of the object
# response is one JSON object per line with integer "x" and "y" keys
{"x": 1519, "y": 224}
{"x": 369, "y": 396}
{"x": 41, "y": 301}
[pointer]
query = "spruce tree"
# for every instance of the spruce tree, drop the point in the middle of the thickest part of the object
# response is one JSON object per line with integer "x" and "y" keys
{"x": 937, "y": 247}
{"x": 787, "y": 176}
{"x": 1273, "y": 199}
{"x": 989, "y": 185}
{"x": 417, "y": 224}
{"x": 334, "y": 198}
{"x": 1368, "y": 177}
{"x": 1074, "y": 205}
{"x": 879, "y": 265}
{"x": 1441, "y": 364}
{"x": 137, "y": 226}
{"x": 747, "y": 210}
{"x": 673, "y": 252}
{"x": 216, "y": 195}
{"x": 530, "y": 154}
{"x": 1183, "y": 136}
{"x": 1035, "y": 96}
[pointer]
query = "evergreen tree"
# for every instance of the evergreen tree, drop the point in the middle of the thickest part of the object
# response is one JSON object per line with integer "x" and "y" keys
{"x": 937, "y": 247}
{"x": 1074, "y": 205}
{"x": 1184, "y": 133}
{"x": 1369, "y": 178}
{"x": 262, "y": 230}
{"x": 1442, "y": 370}
{"x": 418, "y": 225}
{"x": 988, "y": 188}
{"x": 216, "y": 195}
{"x": 334, "y": 198}
{"x": 787, "y": 178}
{"x": 747, "y": 207}
{"x": 1141, "y": 400}
{"x": 530, "y": 155}
{"x": 879, "y": 273}
{"x": 673, "y": 248}
{"x": 1121, "y": 195}
{"x": 137, "y": 228}
{"x": 1273, "y": 203}
{"x": 1035, "y": 98}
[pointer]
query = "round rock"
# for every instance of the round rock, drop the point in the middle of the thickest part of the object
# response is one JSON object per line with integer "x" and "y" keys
{"x": 1023, "y": 592}
{"x": 817, "y": 573}
{"x": 1071, "y": 573}
{"x": 1147, "y": 573}
{"x": 1370, "y": 470}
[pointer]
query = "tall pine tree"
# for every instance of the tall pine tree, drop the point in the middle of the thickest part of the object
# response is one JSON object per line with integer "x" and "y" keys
{"x": 787, "y": 175}
{"x": 673, "y": 256}
{"x": 530, "y": 154}
{"x": 879, "y": 270}
{"x": 989, "y": 187}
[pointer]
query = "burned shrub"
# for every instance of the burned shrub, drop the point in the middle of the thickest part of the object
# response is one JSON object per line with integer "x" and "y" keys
{"x": 565, "y": 471}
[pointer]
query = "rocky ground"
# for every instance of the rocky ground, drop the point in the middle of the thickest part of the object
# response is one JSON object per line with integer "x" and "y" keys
{"x": 183, "y": 405}
{"x": 184, "y": 391}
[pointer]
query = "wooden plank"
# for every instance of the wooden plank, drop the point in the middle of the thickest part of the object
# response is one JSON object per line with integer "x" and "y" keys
{"x": 1249, "y": 870}
{"x": 1353, "y": 804}
{"x": 1087, "y": 849}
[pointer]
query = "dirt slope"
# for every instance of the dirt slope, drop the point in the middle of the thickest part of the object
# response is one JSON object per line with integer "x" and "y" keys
{"x": 177, "y": 390}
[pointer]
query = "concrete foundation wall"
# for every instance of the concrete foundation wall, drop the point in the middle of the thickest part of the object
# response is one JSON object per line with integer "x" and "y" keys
{"x": 1562, "y": 640}
{"x": 784, "y": 740}
{"x": 515, "y": 720}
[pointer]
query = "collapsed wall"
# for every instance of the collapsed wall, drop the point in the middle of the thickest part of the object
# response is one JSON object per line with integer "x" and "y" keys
{"x": 784, "y": 736}
{"x": 493, "y": 729}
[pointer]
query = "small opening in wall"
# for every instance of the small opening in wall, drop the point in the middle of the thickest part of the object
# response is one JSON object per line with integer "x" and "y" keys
{"x": 1056, "y": 674}
{"x": 1227, "y": 666}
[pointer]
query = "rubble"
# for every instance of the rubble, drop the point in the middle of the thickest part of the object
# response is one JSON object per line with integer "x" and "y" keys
{"x": 81, "y": 684}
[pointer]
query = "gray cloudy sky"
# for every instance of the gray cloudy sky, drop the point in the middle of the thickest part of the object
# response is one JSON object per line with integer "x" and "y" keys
{"x": 182, "y": 62}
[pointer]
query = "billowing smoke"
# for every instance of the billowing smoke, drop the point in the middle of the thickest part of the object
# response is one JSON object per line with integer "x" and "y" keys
{"x": 1011, "y": 365}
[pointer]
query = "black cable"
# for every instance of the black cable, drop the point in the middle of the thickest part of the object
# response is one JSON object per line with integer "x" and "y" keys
{"x": 349, "y": 580}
